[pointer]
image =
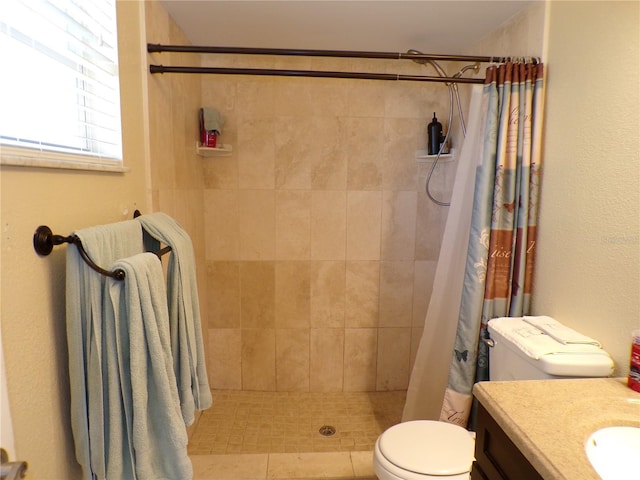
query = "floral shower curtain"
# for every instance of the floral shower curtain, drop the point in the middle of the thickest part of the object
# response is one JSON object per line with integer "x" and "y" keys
{"x": 499, "y": 266}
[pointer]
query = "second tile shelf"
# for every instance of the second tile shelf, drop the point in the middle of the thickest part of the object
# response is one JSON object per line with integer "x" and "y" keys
{"x": 422, "y": 156}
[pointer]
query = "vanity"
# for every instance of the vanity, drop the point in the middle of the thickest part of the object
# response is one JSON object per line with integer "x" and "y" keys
{"x": 537, "y": 429}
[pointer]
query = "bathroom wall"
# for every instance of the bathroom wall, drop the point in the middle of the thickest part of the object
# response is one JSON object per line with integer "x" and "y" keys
{"x": 32, "y": 287}
{"x": 588, "y": 260}
{"x": 320, "y": 241}
{"x": 175, "y": 169}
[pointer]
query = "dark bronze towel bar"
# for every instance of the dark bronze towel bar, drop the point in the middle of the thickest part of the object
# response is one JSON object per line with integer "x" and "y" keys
{"x": 44, "y": 240}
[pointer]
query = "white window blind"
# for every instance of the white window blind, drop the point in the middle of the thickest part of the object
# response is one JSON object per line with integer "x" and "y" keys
{"x": 59, "y": 89}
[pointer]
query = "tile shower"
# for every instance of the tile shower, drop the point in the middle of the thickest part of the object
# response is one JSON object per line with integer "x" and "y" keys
{"x": 321, "y": 244}
{"x": 316, "y": 241}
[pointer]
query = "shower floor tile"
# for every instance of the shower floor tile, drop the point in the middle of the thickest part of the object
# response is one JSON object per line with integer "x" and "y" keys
{"x": 243, "y": 422}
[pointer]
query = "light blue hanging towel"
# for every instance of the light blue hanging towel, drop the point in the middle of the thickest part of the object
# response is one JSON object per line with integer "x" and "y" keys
{"x": 184, "y": 314}
{"x": 147, "y": 439}
{"x": 85, "y": 313}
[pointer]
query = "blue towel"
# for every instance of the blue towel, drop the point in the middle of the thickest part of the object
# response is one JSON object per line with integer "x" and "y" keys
{"x": 85, "y": 312}
{"x": 146, "y": 438}
{"x": 184, "y": 314}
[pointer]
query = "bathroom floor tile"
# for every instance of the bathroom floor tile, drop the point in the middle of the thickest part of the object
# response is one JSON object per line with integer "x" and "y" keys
{"x": 230, "y": 467}
{"x": 310, "y": 465}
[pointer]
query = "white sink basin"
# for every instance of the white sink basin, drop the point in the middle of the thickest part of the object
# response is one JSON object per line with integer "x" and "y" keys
{"x": 614, "y": 452}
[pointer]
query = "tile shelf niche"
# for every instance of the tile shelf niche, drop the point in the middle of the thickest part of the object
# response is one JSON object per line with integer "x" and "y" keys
{"x": 423, "y": 157}
{"x": 223, "y": 151}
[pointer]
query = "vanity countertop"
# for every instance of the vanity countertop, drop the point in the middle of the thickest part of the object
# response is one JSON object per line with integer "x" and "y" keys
{"x": 550, "y": 420}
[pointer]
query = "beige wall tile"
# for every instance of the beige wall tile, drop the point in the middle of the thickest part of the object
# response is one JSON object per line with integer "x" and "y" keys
{"x": 256, "y": 154}
{"x": 293, "y": 225}
{"x": 393, "y": 358}
{"x": 255, "y": 98}
{"x": 416, "y": 101}
{"x": 292, "y": 294}
{"x": 292, "y": 359}
{"x": 362, "y": 294}
{"x": 328, "y": 225}
{"x": 257, "y": 229}
{"x": 294, "y": 138}
{"x": 363, "y": 143}
{"x": 222, "y": 229}
{"x": 188, "y": 164}
{"x": 300, "y": 98}
{"x": 327, "y": 294}
{"x": 396, "y": 294}
{"x": 258, "y": 359}
{"x": 423, "y": 276}
{"x": 364, "y": 216}
{"x": 366, "y": 99}
{"x": 326, "y": 360}
{"x": 220, "y": 172}
{"x": 430, "y": 222}
{"x": 223, "y": 294}
{"x": 360, "y": 357}
{"x": 328, "y": 158}
{"x": 257, "y": 294}
{"x": 161, "y": 147}
{"x": 402, "y": 137}
{"x": 398, "y": 225}
{"x": 225, "y": 350}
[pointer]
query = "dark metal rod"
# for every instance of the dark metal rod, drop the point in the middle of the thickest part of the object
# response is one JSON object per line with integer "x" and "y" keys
{"x": 156, "y": 47}
{"x": 309, "y": 73}
{"x": 44, "y": 240}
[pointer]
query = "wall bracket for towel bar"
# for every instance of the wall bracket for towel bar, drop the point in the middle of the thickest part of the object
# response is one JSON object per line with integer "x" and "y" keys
{"x": 44, "y": 240}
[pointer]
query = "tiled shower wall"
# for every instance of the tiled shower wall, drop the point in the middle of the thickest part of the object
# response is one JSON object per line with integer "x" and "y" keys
{"x": 321, "y": 244}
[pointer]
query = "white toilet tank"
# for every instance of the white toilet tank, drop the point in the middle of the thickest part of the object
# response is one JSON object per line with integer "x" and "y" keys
{"x": 521, "y": 350}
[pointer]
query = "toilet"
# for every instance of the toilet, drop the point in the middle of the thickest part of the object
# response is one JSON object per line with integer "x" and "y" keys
{"x": 430, "y": 450}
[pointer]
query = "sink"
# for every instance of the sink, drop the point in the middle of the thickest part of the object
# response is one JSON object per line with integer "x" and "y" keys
{"x": 614, "y": 451}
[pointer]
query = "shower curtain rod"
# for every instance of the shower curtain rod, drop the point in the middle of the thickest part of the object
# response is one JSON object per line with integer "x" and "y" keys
{"x": 310, "y": 73}
{"x": 154, "y": 48}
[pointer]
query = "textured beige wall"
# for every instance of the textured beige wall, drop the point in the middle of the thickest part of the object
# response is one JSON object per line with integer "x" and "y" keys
{"x": 588, "y": 263}
{"x": 33, "y": 315}
{"x": 175, "y": 169}
{"x": 321, "y": 243}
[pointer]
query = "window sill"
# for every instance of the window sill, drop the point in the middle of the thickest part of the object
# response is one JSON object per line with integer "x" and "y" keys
{"x": 17, "y": 157}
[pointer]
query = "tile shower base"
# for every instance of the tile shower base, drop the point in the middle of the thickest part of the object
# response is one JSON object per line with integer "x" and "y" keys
{"x": 286, "y": 422}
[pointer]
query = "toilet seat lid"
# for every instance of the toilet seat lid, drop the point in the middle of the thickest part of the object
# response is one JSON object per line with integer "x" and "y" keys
{"x": 428, "y": 447}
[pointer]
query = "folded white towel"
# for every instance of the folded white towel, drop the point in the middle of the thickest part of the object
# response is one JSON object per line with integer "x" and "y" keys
{"x": 534, "y": 342}
{"x": 560, "y": 332}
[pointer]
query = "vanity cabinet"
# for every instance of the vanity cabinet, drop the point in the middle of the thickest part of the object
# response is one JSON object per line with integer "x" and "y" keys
{"x": 497, "y": 458}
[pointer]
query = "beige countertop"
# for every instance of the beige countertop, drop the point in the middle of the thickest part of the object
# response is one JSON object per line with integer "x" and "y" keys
{"x": 550, "y": 420}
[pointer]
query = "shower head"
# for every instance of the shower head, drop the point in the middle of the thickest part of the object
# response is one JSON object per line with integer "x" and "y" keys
{"x": 421, "y": 61}
{"x": 426, "y": 61}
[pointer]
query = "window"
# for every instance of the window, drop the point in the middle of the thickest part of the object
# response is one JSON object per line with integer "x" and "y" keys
{"x": 59, "y": 90}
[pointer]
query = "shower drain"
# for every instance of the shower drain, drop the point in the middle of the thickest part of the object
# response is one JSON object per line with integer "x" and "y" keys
{"x": 327, "y": 430}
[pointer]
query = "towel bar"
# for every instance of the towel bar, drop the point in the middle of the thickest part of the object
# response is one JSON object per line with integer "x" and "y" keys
{"x": 44, "y": 240}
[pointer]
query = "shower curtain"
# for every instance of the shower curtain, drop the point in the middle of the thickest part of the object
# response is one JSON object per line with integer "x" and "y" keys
{"x": 489, "y": 274}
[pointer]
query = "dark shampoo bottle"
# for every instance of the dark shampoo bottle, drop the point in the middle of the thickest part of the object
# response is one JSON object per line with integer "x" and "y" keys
{"x": 435, "y": 135}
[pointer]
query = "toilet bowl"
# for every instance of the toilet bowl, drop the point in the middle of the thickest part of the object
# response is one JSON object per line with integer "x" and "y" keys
{"x": 423, "y": 450}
